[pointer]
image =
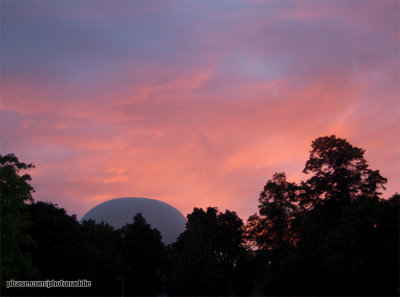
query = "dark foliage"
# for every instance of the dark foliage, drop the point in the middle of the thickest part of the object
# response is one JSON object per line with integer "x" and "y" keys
{"x": 143, "y": 258}
{"x": 206, "y": 258}
{"x": 331, "y": 234}
{"x": 15, "y": 191}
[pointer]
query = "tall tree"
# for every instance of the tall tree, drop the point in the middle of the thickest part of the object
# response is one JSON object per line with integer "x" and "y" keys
{"x": 207, "y": 254}
{"x": 59, "y": 252}
{"x": 143, "y": 258}
{"x": 272, "y": 228}
{"x": 101, "y": 258}
{"x": 274, "y": 236}
{"x": 194, "y": 269}
{"x": 339, "y": 173}
{"x": 341, "y": 198}
{"x": 330, "y": 235}
{"x": 361, "y": 253}
{"x": 15, "y": 192}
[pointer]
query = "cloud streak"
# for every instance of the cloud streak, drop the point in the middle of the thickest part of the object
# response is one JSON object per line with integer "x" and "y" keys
{"x": 194, "y": 104}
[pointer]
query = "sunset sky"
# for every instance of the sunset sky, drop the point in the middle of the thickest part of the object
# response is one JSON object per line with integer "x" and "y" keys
{"x": 193, "y": 103}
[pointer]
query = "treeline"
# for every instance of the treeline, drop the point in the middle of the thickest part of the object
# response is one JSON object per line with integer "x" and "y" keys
{"x": 332, "y": 234}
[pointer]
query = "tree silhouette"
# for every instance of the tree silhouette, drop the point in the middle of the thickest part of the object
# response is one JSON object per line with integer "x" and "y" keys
{"x": 341, "y": 182}
{"x": 58, "y": 253}
{"x": 101, "y": 258}
{"x": 205, "y": 258}
{"x": 144, "y": 258}
{"x": 272, "y": 228}
{"x": 274, "y": 235}
{"x": 15, "y": 192}
{"x": 360, "y": 252}
{"x": 330, "y": 235}
{"x": 340, "y": 173}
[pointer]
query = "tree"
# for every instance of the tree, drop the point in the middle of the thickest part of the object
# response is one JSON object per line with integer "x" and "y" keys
{"x": 330, "y": 235}
{"x": 274, "y": 235}
{"x": 223, "y": 230}
{"x": 206, "y": 257}
{"x": 59, "y": 252}
{"x": 194, "y": 269}
{"x": 15, "y": 192}
{"x": 361, "y": 252}
{"x": 340, "y": 173}
{"x": 100, "y": 241}
{"x": 338, "y": 246}
{"x": 143, "y": 258}
{"x": 272, "y": 228}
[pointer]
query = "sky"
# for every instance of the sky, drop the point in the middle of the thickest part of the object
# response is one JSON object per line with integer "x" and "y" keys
{"x": 193, "y": 103}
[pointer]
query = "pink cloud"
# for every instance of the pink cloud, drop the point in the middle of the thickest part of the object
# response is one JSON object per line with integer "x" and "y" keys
{"x": 211, "y": 133}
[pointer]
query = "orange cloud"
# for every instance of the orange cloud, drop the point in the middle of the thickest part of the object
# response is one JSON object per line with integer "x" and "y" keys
{"x": 211, "y": 129}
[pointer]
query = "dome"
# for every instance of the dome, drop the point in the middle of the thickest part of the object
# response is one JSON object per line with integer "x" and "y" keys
{"x": 160, "y": 215}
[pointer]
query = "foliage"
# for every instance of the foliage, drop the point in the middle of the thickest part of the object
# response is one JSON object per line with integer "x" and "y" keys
{"x": 340, "y": 173}
{"x": 272, "y": 229}
{"x": 331, "y": 234}
{"x": 15, "y": 192}
{"x": 359, "y": 252}
{"x": 143, "y": 258}
{"x": 205, "y": 257}
{"x": 101, "y": 258}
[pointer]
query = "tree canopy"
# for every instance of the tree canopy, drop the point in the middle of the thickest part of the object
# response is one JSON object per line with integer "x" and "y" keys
{"x": 325, "y": 228}
{"x": 331, "y": 234}
{"x": 15, "y": 191}
{"x": 339, "y": 173}
{"x": 205, "y": 257}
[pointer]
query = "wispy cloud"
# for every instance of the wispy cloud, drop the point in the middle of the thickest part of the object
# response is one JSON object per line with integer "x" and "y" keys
{"x": 195, "y": 104}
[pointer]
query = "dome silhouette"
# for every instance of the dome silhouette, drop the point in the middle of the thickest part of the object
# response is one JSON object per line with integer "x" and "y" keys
{"x": 160, "y": 215}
